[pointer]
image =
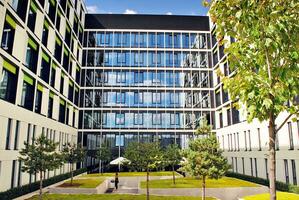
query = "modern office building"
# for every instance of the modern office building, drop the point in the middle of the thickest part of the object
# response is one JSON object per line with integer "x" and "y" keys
{"x": 40, "y": 62}
{"x": 144, "y": 78}
{"x": 102, "y": 79}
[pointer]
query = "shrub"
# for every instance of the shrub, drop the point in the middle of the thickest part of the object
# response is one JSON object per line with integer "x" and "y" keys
{"x": 25, "y": 189}
{"x": 279, "y": 185}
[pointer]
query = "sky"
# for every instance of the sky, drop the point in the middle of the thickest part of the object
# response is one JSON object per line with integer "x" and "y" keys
{"x": 169, "y": 7}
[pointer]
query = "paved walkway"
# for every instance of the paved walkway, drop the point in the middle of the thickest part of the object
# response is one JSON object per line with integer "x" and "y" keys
{"x": 130, "y": 185}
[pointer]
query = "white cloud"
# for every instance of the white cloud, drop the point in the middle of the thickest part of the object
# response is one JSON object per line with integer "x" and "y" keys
{"x": 169, "y": 13}
{"x": 92, "y": 9}
{"x": 131, "y": 12}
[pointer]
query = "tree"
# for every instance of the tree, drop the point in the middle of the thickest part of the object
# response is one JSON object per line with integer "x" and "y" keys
{"x": 144, "y": 156}
{"x": 104, "y": 155}
{"x": 40, "y": 157}
{"x": 172, "y": 156}
{"x": 204, "y": 160}
{"x": 264, "y": 59}
{"x": 72, "y": 154}
{"x": 204, "y": 128}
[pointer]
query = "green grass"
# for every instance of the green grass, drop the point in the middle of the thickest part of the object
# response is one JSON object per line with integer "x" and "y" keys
{"x": 126, "y": 174}
{"x": 195, "y": 183}
{"x": 83, "y": 183}
{"x": 113, "y": 197}
{"x": 280, "y": 196}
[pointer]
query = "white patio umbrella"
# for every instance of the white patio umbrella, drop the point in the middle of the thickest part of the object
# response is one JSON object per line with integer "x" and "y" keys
{"x": 119, "y": 161}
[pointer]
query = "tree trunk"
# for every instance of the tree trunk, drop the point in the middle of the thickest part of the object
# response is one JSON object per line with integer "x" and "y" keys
{"x": 147, "y": 184}
{"x": 100, "y": 167}
{"x": 72, "y": 174}
{"x": 272, "y": 157}
{"x": 203, "y": 196}
{"x": 173, "y": 176}
{"x": 40, "y": 197}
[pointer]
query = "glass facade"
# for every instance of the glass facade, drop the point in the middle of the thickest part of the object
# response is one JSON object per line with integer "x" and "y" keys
{"x": 144, "y": 86}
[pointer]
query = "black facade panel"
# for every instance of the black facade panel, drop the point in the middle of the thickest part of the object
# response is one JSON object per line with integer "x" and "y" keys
{"x": 147, "y": 22}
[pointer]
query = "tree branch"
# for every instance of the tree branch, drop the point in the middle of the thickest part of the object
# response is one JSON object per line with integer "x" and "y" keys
{"x": 283, "y": 123}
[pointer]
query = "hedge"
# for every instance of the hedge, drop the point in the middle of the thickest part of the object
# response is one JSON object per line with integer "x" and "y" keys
{"x": 279, "y": 185}
{"x": 25, "y": 189}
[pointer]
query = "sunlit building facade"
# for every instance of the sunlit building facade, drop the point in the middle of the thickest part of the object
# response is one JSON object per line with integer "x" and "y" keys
{"x": 144, "y": 78}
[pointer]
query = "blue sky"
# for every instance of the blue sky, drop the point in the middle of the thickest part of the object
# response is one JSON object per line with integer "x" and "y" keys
{"x": 175, "y": 7}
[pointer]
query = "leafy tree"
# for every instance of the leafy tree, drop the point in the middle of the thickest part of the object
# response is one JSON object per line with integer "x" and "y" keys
{"x": 172, "y": 156}
{"x": 40, "y": 157}
{"x": 203, "y": 128}
{"x": 205, "y": 160}
{"x": 264, "y": 59}
{"x": 104, "y": 155}
{"x": 144, "y": 156}
{"x": 72, "y": 154}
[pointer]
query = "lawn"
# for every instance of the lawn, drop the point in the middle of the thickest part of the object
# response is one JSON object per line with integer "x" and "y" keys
{"x": 113, "y": 197}
{"x": 126, "y": 174}
{"x": 83, "y": 183}
{"x": 280, "y": 196}
{"x": 195, "y": 183}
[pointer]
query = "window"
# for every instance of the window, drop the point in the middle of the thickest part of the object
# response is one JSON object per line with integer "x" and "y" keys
{"x": 50, "y": 105}
{"x": 255, "y": 166}
{"x": 13, "y": 173}
{"x": 58, "y": 20}
{"x": 45, "y": 67}
{"x": 138, "y": 98}
{"x": 53, "y": 75}
{"x": 291, "y": 140}
{"x": 157, "y": 119}
{"x": 286, "y": 171}
{"x": 8, "y": 34}
{"x": 17, "y": 131}
{"x": 121, "y": 77}
{"x": 62, "y": 111}
{"x": 38, "y": 99}
{"x": 71, "y": 91}
{"x": 138, "y": 118}
{"x": 45, "y": 33}
{"x": 259, "y": 138}
{"x": 8, "y": 134}
{"x": 51, "y": 10}
{"x": 66, "y": 60}
{"x": 236, "y": 162}
{"x": 174, "y": 118}
{"x": 245, "y": 137}
{"x": 238, "y": 141}
{"x": 31, "y": 55}
{"x": 138, "y": 77}
{"x": 120, "y": 119}
{"x": 266, "y": 169}
{"x": 156, "y": 97}
{"x": 77, "y": 74}
{"x": 68, "y": 36}
{"x": 27, "y": 92}
{"x": 32, "y": 16}
{"x": 243, "y": 166}
{"x": 294, "y": 172}
{"x": 249, "y": 139}
{"x": 119, "y": 140}
{"x": 62, "y": 83}
{"x": 120, "y": 97}
{"x": 58, "y": 49}
{"x": 8, "y": 82}
{"x": 174, "y": 98}
{"x": 251, "y": 166}
{"x": 18, "y": 6}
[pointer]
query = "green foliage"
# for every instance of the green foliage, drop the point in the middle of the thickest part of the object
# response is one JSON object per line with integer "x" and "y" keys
{"x": 204, "y": 158}
{"x": 40, "y": 156}
{"x": 143, "y": 156}
{"x": 25, "y": 189}
{"x": 104, "y": 153}
{"x": 172, "y": 155}
{"x": 204, "y": 128}
{"x": 280, "y": 196}
{"x": 279, "y": 185}
{"x": 264, "y": 57}
{"x": 73, "y": 153}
